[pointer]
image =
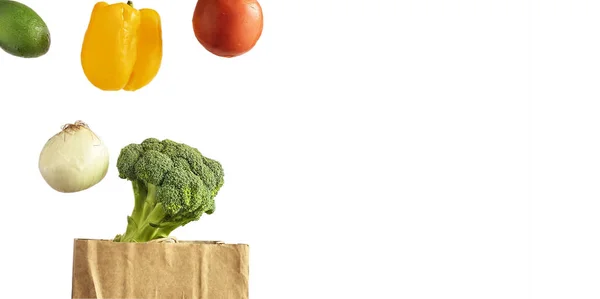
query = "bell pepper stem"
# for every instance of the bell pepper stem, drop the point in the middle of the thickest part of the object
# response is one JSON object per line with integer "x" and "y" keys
{"x": 130, "y": 3}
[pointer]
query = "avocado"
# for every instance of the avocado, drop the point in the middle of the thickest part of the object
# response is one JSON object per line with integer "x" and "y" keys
{"x": 23, "y": 32}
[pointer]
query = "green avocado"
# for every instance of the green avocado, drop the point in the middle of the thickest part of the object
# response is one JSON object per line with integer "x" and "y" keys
{"x": 23, "y": 32}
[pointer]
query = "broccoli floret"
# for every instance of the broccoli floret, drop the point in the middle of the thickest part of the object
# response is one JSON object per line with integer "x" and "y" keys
{"x": 173, "y": 184}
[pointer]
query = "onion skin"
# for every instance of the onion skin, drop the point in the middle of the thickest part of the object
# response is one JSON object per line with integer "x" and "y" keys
{"x": 74, "y": 160}
{"x": 228, "y": 28}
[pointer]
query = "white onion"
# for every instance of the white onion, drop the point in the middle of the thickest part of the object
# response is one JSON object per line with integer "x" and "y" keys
{"x": 73, "y": 160}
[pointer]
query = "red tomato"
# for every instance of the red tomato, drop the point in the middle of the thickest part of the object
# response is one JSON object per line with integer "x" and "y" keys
{"x": 228, "y": 28}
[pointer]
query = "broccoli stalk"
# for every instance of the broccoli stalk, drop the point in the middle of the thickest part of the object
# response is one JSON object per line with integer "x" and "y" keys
{"x": 173, "y": 184}
{"x": 146, "y": 213}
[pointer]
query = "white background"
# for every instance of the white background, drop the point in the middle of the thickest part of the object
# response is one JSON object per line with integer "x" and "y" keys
{"x": 372, "y": 149}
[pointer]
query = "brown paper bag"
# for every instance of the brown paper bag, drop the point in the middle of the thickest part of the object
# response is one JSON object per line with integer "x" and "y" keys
{"x": 182, "y": 270}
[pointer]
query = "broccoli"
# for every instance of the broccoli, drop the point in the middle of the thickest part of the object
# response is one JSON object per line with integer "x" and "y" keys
{"x": 173, "y": 184}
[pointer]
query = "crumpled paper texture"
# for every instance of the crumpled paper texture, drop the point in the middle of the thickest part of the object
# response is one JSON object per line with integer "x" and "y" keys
{"x": 185, "y": 270}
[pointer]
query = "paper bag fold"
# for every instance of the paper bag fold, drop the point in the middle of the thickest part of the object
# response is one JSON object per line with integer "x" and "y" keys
{"x": 185, "y": 270}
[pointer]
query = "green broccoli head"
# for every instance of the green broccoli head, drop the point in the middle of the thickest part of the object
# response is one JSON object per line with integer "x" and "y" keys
{"x": 173, "y": 183}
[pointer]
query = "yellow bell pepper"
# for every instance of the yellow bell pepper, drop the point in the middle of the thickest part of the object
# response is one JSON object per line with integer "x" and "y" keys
{"x": 122, "y": 47}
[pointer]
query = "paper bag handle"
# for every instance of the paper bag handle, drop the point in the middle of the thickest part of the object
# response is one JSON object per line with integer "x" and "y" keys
{"x": 164, "y": 240}
{"x": 174, "y": 240}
